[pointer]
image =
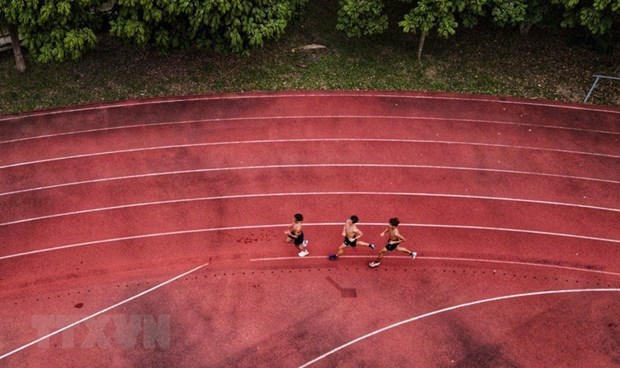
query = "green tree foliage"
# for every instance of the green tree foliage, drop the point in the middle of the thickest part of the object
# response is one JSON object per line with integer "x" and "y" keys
{"x": 598, "y": 16}
{"x": 444, "y": 16}
{"x": 427, "y": 15}
{"x": 440, "y": 15}
{"x": 508, "y": 13}
{"x": 223, "y": 25}
{"x": 535, "y": 13}
{"x": 361, "y": 17}
{"x": 59, "y": 30}
{"x": 53, "y": 30}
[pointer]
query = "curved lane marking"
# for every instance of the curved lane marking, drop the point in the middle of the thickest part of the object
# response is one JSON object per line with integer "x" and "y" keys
{"x": 298, "y": 166}
{"x": 450, "y": 259}
{"x": 315, "y": 117}
{"x": 304, "y": 140}
{"x": 268, "y": 195}
{"x": 247, "y": 227}
{"x": 449, "y": 309}
{"x": 305, "y": 95}
{"x": 5, "y": 355}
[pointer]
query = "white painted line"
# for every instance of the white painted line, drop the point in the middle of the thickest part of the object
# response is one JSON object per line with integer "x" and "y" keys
{"x": 5, "y": 355}
{"x": 304, "y": 140}
{"x": 294, "y": 194}
{"x": 531, "y": 264}
{"x": 547, "y": 233}
{"x": 309, "y": 117}
{"x": 456, "y": 97}
{"x": 143, "y": 236}
{"x": 296, "y": 166}
{"x": 449, "y": 309}
{"x": 450, "y": 259}
{"x": 230, "y": 228}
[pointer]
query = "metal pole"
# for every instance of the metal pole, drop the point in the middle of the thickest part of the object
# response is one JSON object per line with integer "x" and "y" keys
{"x": 592, "y": 88}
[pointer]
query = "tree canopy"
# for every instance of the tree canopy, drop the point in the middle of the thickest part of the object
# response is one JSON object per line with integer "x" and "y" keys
{"x": 58, "y": 30}
{"x": 53, "y": 30}
{"x": 359, "y": 17}
{"x": 223, "y": 25}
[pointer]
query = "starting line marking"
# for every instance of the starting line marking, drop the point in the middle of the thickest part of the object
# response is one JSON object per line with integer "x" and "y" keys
{"x": 448, "y": 309}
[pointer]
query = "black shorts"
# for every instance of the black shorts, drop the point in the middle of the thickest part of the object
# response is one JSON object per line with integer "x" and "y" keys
{"x": 299, "y": 239}
{"x": 391, "y": 246}
{"x": 349, "y": 243}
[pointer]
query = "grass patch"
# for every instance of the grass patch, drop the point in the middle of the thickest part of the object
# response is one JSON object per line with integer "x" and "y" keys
{"x": 485, "y": 60}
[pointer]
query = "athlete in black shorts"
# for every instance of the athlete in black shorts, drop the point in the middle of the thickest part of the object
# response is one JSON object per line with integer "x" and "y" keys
{"x": 351, "y": 237}
{"x": 394, "y": 239}
{"x": 296, "y": 235}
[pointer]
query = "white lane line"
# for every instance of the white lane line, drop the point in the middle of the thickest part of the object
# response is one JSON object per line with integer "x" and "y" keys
{"x": 450, "y": 259}
{"x": 135, "y": 237}
{"x": 193, "y": 231}
{"x": 456, "y": 97}
{"x": 297, "y": 166}
{"x": 5, "y": 355}
{"x": 309, "y": 117}
{"x": 268, "y": 195}
{"x": 455, "y": 307}
{"x": 304, "y": 140}
{"x": 546, "y": 233}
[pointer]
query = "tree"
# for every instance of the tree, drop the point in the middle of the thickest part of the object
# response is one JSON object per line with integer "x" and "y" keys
{"x": 364, "y": 17}
{"x": 430, "y": 14}
{"x": 535, "y": 12}
{"x": 20, "y": 64}
{"x": 445, "y": 15}
{"x": 223, "y": 25}
{"x": 508, "y": 13}
{"x": 361, "y": 17}
{"x": 598, "y": 16}
{"x": 53, "y": 30}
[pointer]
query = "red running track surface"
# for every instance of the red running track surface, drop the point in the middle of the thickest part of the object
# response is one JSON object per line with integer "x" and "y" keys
{"x": 150, "y": 233}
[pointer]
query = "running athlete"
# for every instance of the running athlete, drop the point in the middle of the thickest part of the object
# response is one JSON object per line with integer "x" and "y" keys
{"x": 394, "y": 239}
{"x": 296, "y": 235}
{"x": 352, "y": 237}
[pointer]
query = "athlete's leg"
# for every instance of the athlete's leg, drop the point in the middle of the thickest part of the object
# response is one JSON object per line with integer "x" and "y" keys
{"x": 377, "y": 261}
{"x": 341, "y": 250}
{"x": 364, "y": 244}
{"x": 381, "y": 254}
{"x": 405, "y": 250}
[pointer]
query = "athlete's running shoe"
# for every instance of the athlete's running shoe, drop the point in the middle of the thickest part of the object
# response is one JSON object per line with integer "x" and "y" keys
{"x": 413, "y": 255}
{"x": 371, "y": 246}
{"x": 303, "y": 253}
{"x": 332, "y": 257}
{"x": 304, "y": 243}
{"x": 374, "y": 264}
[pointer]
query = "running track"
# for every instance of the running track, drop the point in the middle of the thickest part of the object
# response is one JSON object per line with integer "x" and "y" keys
{"x": 150, "y": 233}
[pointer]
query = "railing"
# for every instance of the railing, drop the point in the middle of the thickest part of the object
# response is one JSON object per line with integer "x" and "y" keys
{"x": 598, "y": 77}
